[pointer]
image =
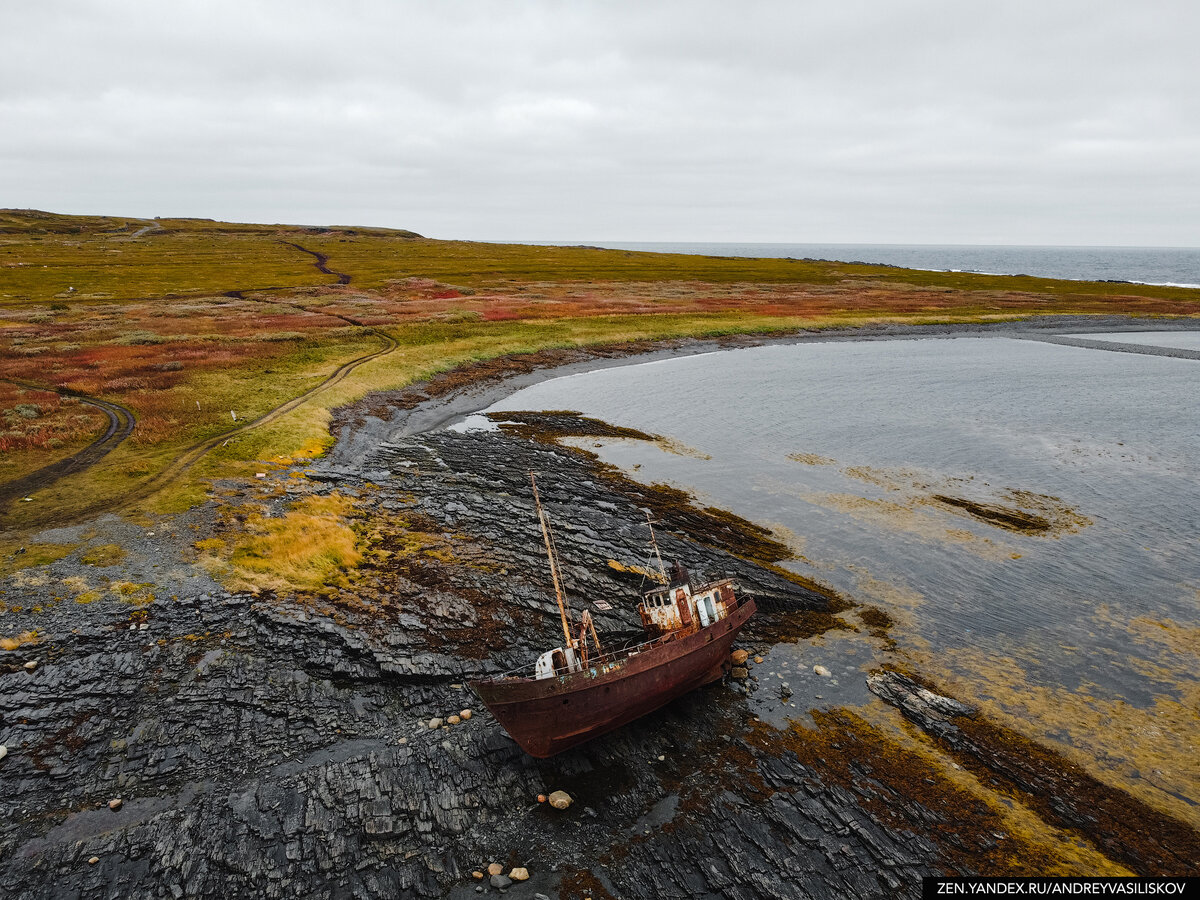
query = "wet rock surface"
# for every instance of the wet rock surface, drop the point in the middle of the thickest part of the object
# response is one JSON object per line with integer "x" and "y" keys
{"x": 281, "y": 746}
{"x": 277, "y": 747}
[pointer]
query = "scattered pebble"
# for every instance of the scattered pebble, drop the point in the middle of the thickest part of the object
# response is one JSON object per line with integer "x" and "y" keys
{"x": 758, "y": 660}
{"x": 31, "y": 665}
{"x": 560, "y": 800}
{"x": 495, "y": 869}
{"x": 435, "y": 723}
{"x": 465, "y": 714}
{"x": 739, "y": 657}
{"x": 541, "y": 798}
{"x": 402, "y": 741}
{"x": 740, "y": 673}
{"x": 453, "y": 720}
{"x": 477, "y": 875}
{"x": 519, "y": 874}
{"x": 822, "y": 671}
{"x": 3, "y": 751}
{"x": 500, "y": 881}
{"x": 93, "y": 860}
{"x": 115, "y": 804}
{"x": 662, "y": 759}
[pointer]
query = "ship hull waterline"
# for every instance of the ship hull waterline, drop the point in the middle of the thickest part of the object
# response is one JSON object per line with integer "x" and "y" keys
{"x": 548, "y": 716}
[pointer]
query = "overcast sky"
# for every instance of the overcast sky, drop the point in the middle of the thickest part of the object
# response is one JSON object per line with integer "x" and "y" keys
{"x": 906, "y": 121}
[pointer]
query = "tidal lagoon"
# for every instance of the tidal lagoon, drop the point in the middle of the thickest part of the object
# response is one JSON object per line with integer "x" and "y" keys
{"x": 1026, "y": 513}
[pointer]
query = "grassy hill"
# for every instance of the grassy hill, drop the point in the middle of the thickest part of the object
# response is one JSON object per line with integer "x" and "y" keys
{"x": 200, "y": 327}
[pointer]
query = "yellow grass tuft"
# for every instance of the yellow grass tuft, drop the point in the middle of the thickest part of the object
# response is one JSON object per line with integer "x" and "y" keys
{"x": 308, "y": 549}
{"x": 102, "y": 556}
{"x": 12, "y": 643}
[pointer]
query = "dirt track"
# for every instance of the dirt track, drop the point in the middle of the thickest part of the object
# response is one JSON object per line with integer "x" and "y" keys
{"x": 122, "y": 421}
{"x": 120, "y": 425}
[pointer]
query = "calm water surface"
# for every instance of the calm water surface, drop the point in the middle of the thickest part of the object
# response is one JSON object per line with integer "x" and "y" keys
{"x": 846, "y": 447}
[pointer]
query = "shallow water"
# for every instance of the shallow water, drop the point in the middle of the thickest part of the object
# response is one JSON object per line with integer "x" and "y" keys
{"x": 1029, "y": 513}
{"x": 1180, "y": 340}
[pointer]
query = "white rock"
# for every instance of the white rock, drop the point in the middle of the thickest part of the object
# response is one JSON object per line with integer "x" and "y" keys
{"x": 435, "y": 723}
{"x": 31, "y": 665}
{"x": 822, "y": 671}
{"x": 3, "y": 751}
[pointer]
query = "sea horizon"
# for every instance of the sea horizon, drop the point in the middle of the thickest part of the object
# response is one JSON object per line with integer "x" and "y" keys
{"x": 1161, "y": 266}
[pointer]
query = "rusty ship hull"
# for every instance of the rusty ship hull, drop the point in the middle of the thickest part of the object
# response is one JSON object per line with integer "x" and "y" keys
{"x": 548, "y": 715}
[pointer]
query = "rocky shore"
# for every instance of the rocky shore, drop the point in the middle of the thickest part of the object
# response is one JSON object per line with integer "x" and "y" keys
{"x": 280, "y": 744}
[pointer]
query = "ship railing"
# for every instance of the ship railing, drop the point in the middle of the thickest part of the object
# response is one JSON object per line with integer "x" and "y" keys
{"x": 623, "y": 652}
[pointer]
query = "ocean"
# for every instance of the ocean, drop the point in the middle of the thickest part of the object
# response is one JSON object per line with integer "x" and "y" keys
{"x": 1176, "y": 266}
{"x": 898, "y": 472}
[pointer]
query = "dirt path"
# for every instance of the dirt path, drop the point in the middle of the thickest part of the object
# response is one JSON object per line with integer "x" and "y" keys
{"x": 194, "y": 453}
{"x": 321, "y": 263}
{"x": 120, "y": 424}
{"x": 151, "y": 226}
{"x": 121, "y": 421}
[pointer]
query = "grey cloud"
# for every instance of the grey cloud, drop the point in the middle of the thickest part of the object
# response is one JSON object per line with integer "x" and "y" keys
{"x": 1018, "y": 122}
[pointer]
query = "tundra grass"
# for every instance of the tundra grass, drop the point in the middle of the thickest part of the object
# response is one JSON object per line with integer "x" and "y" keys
{"x": 377, "y": 259}
{"x": 200, "y": 326}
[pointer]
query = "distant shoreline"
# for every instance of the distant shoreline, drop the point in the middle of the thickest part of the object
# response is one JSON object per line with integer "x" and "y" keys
{"x": 1151, "y": 266}
{"x": 429, "y": 406}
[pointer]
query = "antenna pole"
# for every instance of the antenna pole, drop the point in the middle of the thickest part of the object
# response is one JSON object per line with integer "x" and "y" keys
{"x": 553, "y": 557}
{"x": 662, "y": 570}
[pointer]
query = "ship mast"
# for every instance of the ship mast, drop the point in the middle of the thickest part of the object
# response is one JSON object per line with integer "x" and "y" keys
{"x": 552, "y": 555}
{"x": 662, "y": 570}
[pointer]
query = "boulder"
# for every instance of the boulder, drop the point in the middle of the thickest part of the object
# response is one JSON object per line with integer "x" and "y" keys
{"x": 500, "y": 881}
